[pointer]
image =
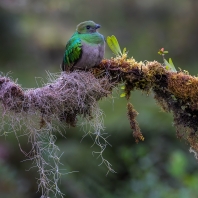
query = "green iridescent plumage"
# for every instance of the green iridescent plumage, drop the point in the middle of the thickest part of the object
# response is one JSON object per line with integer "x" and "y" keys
{"x": 85, "y": 49}
{"x": 73, "y": 51}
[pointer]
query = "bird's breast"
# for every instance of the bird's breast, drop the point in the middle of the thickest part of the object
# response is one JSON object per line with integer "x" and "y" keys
{"x": 92, "y": 55}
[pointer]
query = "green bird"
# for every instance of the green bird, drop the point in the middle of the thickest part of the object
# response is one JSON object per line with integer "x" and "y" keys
{"x": 85, "y": 49}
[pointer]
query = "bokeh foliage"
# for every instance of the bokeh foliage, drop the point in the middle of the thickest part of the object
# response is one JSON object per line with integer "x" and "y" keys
{"x": 33, "y": 35}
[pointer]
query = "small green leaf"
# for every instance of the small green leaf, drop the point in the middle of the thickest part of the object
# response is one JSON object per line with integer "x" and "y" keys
{"x": 124, "y": 51}
{"x": 122, "y": 95}
{"x": 162, "y": 52}
{"x": 171, "y": 62}
{"x": 169, "y": 65}
{"x": 123, "y": 87}
{"x": 115, "y": 41}
{"x": 110, "y": 44}
{"x": 114, "y": 45}
{"x": 165, "y": 52}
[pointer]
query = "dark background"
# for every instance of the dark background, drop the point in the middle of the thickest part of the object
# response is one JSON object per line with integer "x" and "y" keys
{"x": 32, "y": 40}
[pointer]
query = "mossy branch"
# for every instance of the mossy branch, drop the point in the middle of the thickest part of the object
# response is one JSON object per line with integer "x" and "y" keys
{"x": 174, "y": 92}
{"x": 71, "y": 94}
{"x": 74, "y": 94}
{"x": 65, "y": 97}
{"x": 36, "y": 112}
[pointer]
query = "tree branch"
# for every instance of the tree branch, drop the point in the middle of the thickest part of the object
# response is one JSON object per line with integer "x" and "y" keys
{"x": 76, "y": 93}
{"x": 176, "y": 93}
{"x": 67, "y": 96}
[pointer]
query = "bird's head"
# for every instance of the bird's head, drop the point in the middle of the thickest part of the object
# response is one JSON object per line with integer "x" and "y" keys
{"x": 87, "y": 27}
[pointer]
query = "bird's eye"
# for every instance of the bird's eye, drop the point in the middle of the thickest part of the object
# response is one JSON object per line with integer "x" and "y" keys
{"x": 88, "y": 27}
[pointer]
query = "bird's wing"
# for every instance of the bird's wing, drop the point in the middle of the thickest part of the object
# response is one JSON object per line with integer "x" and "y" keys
{"x": 73, "y": 52}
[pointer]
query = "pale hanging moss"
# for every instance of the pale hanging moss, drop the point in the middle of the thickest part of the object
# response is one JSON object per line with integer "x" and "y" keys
{"x": 70, "y": 95}
{"x": 35, "y": 111}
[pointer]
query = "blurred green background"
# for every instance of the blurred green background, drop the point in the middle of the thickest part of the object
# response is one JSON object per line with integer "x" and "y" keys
{"x": 32, "y": 40}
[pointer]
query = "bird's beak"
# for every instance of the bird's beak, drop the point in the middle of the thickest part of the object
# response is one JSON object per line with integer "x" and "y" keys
{"x": 97, "y": 26}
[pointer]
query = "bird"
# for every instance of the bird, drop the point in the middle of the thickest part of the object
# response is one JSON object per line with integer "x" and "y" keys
{"x": 85, "y": 49}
